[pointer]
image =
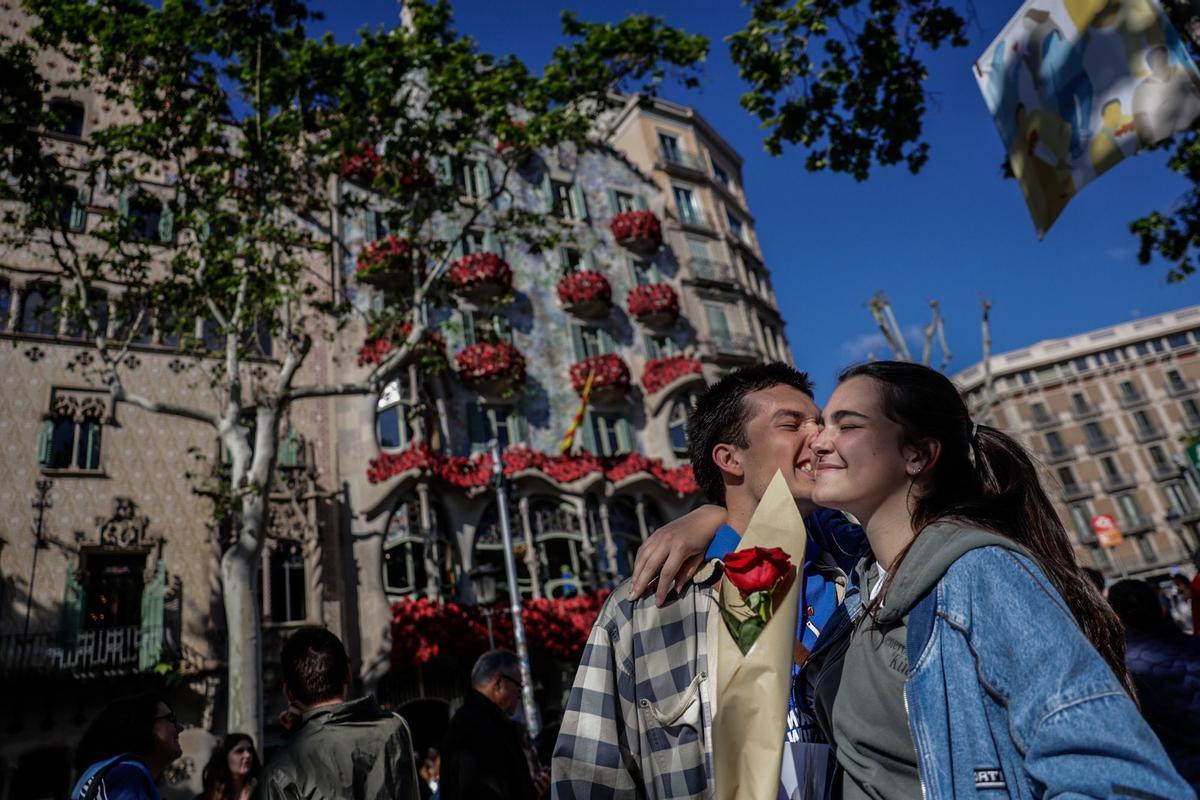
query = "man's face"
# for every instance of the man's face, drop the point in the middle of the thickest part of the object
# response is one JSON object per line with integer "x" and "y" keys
{"x": 508, "y": 692}
{"x": 166, "y": 734}
{"x": 782, "y": 424}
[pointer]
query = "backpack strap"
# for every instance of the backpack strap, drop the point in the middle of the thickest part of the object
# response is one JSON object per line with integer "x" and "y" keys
{"x": 97, "y": 779}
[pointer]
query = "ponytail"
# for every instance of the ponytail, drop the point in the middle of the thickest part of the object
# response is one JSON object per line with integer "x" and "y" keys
{"x": 986, "y": 478}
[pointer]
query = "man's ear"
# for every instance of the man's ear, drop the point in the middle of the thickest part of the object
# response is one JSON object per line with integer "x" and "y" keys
{"x": 920, "y": 458}
{"x": 287, "y": 695}
{"x": 729, "y": 460}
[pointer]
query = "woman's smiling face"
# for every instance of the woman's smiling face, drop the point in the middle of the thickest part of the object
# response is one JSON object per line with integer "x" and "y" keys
{"x": 861, "y": 461}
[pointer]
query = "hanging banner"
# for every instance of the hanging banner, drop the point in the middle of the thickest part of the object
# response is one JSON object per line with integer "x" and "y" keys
{"x": 1076, "y": 86}
{"x": 1106, "y": 530}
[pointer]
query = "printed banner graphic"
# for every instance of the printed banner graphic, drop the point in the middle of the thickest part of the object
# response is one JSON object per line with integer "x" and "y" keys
{"x": 1076, "y": 86}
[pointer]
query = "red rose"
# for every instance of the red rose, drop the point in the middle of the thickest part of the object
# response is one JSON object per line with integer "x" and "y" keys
{"x": 756, "y": 569}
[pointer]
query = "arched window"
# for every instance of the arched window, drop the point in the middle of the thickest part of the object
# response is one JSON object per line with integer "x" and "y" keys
{"x": 39, "y": 310}
{"x": 77, "y": 325}
{"x": 65, "y": 443}
{"x": 488, "y": 549}
{"x": 677, "y": 424}
{"x": 558, "y": 537}
{"x": 67, "y": 117}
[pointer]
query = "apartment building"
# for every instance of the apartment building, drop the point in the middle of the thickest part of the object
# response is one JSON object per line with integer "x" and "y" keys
{"x": 1109, "y": 413}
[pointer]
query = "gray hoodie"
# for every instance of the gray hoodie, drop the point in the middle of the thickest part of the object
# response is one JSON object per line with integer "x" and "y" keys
{"x": 870, "y": 722}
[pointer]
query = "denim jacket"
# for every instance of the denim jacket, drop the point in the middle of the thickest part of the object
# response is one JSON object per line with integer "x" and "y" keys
{"x": 1007, "y": 698}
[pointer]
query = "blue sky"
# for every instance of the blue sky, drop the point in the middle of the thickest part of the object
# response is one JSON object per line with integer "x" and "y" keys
{"x": 950, "y": 233}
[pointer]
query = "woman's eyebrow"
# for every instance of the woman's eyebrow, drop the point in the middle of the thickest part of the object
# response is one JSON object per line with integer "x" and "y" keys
{"x": 840, "y": 415}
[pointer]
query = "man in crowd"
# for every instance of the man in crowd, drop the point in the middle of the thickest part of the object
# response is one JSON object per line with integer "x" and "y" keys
{"x": 485, "y": 756}
{"x": 638, "y": 720}
{"x": 337, "y": 747}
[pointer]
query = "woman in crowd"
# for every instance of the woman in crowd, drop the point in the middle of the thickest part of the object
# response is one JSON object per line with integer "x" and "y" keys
{"x": 232, "y": 770}
{"x": 126, "y": 748}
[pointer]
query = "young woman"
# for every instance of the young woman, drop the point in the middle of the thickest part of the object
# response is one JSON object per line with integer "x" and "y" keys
{"x": 126, "y": 748}
{"x": 971, "y": 655}
{"x": 232, "y": 770}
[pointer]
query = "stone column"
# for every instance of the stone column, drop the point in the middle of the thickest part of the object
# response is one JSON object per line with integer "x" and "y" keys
{"x": 433, "y": 577}
{"x": 610, "y": 545}
{"x": 531, "y": 556}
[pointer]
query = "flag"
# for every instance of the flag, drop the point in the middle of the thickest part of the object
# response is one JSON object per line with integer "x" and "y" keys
{"x": 569, "y": 439}
{"x": 1076, "y": 86}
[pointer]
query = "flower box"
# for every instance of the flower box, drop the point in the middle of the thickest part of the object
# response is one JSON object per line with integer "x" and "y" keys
{"x": 655, "y": 305}
{"x": 387, "y": 263}
{"x": 661, "y": 372}
{"x": 481, "y": 276}
{"x": 431, "y": 350}
{"x": 639, "y": 231}
{"x": 586, "y": 294}
{"x": 361, "y": 167}
{"x": 491, "y": 367}
{"x": 611, "y": 381}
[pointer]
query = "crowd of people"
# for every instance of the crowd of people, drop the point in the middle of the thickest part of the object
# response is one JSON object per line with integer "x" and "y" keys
{"x": 948, "y": 642}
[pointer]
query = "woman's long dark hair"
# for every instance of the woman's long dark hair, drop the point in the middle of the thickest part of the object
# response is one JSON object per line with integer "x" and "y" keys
{"x": 126, "y": 725}
{"x": 984, "y": 477}
{"x": 218, "y": 782}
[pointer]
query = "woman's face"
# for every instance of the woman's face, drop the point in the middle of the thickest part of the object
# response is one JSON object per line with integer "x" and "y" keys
{"x": 241, "y": 759}
{"x": 860, "y": 460}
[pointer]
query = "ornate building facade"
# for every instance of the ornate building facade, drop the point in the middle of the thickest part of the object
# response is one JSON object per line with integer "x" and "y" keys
{"x": 109, "y": 552}
{"x": 1110, "y": 412}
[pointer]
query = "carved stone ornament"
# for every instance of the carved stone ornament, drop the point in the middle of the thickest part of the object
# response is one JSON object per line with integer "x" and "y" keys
{"x": 126, "y": 527}
{"x": 79, "y": 407}
{"x": 288, "y": 522}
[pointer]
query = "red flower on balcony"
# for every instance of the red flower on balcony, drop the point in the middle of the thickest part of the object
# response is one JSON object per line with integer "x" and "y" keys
{"x": 473, "y": 473}
{"x": 361, "y": 167}
{"x": 431, "y": 348}
{"x": 488, "y": 361}
{"x": 657, "y": 302}
{"x": 590, "y": 286}
{"x": 391, "y": 257}
{"x": 638, "y": 230}
{"x": 610, "y": 370}
{"x": 662, "y": 371}
{"x": 479, "y": 273}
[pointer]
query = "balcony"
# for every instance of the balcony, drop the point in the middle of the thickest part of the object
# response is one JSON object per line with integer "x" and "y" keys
{"x": 1081, "y": 411}
{"x": 708, "y": 271}
{"x": 1101, "y": 445}
{"x": 1180, "y": 388}
{"x": 101, "y": 652}
{"x": 1076, "y": 491}
{"x": 728, "y": 348}
{"x": 1164, "y": 471}
{"x": 678, "y": 160}
{"x": 698, "y": 220}
{"x": 1117, "y": 482}
{"x": 1059, "y": 455}
{"x": 1191, "y": 424}
{"x": 1149, "y": 433}
{"x": 1134, "y": 525}
{"x": 1043, "y": 421}
{"x": 1132, "y": 400}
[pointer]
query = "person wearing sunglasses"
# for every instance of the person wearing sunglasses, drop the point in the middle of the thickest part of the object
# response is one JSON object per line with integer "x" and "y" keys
{"x": 126, "y": 749}
{"x": 487, "y": 753}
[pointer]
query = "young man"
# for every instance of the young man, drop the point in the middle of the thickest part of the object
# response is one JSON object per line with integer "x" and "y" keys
{"x": 638, "y": 720}
{"x": 338, "y": 747}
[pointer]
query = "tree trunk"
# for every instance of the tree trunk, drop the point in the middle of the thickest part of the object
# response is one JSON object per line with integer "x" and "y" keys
{"x": 243, "y": 623}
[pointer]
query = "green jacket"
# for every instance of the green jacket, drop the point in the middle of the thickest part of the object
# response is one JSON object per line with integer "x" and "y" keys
{"x": 349, "y": 751}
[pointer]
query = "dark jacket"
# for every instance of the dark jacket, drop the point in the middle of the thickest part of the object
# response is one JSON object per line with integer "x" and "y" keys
{"x": 346, "y": 751}
{"x": 482, "y": 756}
{"x": 1166, "y": 670}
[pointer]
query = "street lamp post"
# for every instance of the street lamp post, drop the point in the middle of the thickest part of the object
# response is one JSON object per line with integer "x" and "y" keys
{"x": 483, "y": 586}
{"x": 40, "y": 505}
{"x": 514, "y": 595}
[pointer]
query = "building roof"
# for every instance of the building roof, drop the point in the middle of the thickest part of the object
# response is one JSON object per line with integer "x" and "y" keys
{"x": 1053, "y": 351}
{"x": 682, "y": 113}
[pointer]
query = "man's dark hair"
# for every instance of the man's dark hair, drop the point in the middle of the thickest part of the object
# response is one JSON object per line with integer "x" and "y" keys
{"x": 314, "y": 665}
{"x": 126, "y": 725}
{"x": 721, "y": 414}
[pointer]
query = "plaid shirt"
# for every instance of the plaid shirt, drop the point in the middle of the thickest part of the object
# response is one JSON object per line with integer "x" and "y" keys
{"x": 638, "y": 721}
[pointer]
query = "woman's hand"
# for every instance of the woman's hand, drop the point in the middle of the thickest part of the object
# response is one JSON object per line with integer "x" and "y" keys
{"x": 674, "y": 552}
